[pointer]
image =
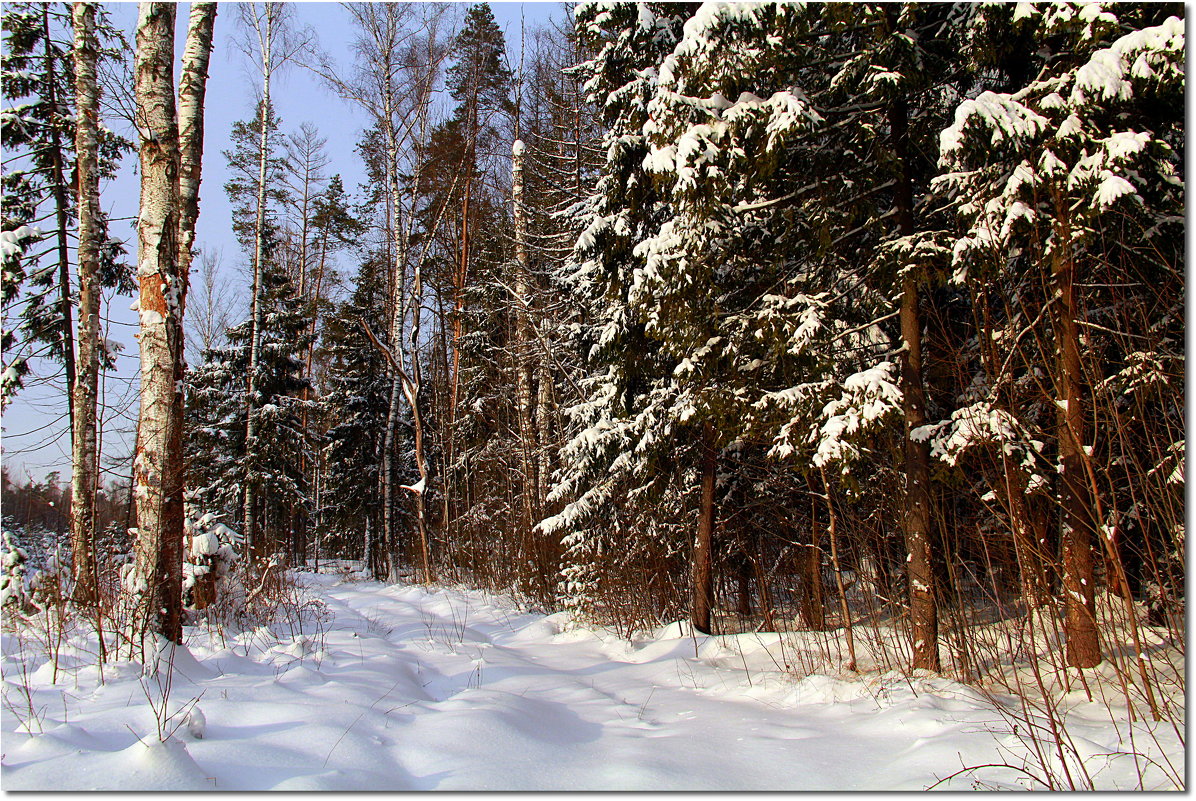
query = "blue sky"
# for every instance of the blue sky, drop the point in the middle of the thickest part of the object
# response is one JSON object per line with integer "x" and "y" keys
{"x": 35, "y": 436}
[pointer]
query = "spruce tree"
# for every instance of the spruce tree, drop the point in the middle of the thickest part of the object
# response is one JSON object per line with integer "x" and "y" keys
{"x": 220, "y": 460}
{"x": 38, "y": 218}
{"x": 1074, "y": 180}
{"x": 622, "y": 427}
{"x": 355, "y": 406}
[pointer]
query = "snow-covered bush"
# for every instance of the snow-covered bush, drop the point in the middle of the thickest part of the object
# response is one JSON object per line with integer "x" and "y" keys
{"x": 51, "y": 585}
{"x": 14, "y": 589}
{"x": 115, "y": 545}
{"x": 209, "y": 562}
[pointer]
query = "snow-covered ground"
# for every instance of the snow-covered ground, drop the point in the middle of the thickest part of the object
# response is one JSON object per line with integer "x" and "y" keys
{"x": 404, "y": 688}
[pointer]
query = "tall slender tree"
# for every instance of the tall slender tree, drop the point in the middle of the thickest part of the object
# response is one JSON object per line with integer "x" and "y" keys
{"x": 39, "y": 210}
{"x": 268, "y": 37}
{"x": 402, "y": 53}
{"x": 84, "y": 392}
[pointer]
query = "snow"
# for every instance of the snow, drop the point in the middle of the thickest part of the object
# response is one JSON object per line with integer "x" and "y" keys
{"x": 205, "y": 544}
{"x": 111, "y": 348}
{"x": 1003, "y": 117}
{"x": 1023, "y": 11}
{"x": 10, "y": 241}
{"x": 1112, "y": 188}
{"x": 150, "y": 317}
{"x": 1106, "y": 76}
{"x": 196, "y": 723}
{"x": 405, "y": 688}
{"x": 869, "y": 396}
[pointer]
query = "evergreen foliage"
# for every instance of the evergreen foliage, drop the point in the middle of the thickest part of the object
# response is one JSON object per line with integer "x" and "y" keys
{"x": 37, "y": 223}
{"x": 219, "y": 459}
{"x": 766, "y": 315}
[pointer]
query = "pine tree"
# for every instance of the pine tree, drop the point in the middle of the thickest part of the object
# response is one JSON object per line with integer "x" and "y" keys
{"x": 14, "y": 592}
{"x": 481, "y": 84}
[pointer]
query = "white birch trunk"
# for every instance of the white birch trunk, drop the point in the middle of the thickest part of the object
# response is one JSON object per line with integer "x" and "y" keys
{"x": 523, "y": 366}
{"x": 397, "y": 314}
{"x": 409, "y": 384}
{"x": 192, "y": 90}
{"x": 383, "y": 42}
{"x": 157, "y": 576}
{"x": 83, "y": 473}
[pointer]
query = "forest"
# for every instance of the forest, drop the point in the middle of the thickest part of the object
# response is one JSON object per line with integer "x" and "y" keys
{"x": 859, "y": 326}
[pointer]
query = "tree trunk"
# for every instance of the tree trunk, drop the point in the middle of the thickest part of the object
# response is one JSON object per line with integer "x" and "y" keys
{"x": 919, "y": 562}
{"x": 412, "y": 384}
{"x": 412, "y": 390}
{"x": 398, "y": 307}
{"x": 158, "y": 466}
{"x": 258, "y": 547}
{"x": 523, "y": 366}
{"x": 389, "y": 538}
{"x": 703, "y": 585}
{"x": 83, "y": 443}
{"x": 459, "y": 277}
{"x": 1027, "y": 549}
{"x": 544, "y": 409}
{"x": 1083, "y": 645}
{"x": 192, "y": 89}
{"x": 745, "y": 586}
{"x": 813, "y": 608}
{"x": 844, "y": 609}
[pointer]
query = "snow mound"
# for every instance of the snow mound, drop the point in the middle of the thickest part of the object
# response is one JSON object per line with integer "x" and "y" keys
{"x": 464, "y": 692}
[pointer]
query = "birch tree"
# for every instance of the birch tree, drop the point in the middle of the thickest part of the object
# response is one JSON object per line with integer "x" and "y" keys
{"x": 166, "y": 225}
{"x": 269, "y": 37}
{"x": 157, "y": 470}
{"x": 83, "y": 450}
{"x": 191, "y": 94}
{"x": 400, "y": 60}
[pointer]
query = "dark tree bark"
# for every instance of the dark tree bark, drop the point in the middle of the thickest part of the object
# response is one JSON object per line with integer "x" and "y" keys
{"x": 703, "y": 583}
{"x": 1083, "y": 644}
{"x": 919, "y": 564}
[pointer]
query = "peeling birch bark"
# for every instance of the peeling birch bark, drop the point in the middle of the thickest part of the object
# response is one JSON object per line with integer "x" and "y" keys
{"x": 156, "y": 581}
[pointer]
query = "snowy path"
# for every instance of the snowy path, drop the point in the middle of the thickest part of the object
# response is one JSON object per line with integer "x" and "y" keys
{"x": 450, "y": 690}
